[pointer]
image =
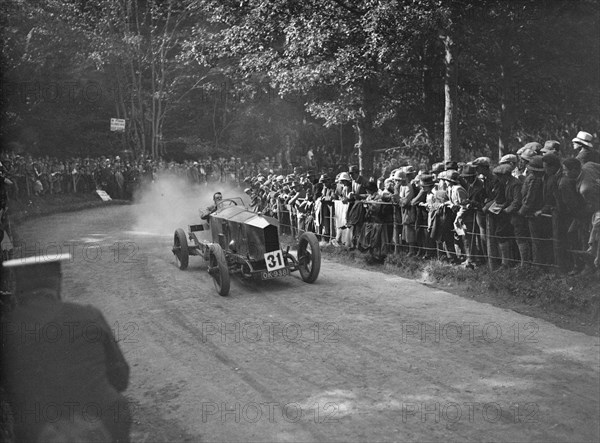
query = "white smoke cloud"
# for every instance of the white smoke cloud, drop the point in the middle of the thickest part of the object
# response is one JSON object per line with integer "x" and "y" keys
{"x": 171, "y": 202}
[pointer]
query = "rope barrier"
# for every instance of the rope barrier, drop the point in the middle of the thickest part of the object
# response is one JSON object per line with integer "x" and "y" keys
{"x": 398, "y": 243}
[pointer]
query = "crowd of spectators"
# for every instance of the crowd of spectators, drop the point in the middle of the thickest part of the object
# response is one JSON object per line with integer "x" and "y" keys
{"x": 119, "y": 177}
{"x": 533, "y": 207}
{"x": 530, "y": 208}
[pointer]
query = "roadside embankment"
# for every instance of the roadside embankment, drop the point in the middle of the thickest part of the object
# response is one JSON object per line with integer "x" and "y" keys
{"x": 38, "y": 206}
{"x": 569, "y": 302}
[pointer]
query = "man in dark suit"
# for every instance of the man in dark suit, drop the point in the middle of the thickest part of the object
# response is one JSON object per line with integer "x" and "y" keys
{"x": 61, "y": 362}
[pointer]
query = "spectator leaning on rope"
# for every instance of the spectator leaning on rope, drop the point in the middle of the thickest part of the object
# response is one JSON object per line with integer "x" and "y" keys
{"x": 468, "y": 209}
{"x": 512, "y": 160}
{"x": 482, "y": 169}
{"x": 507, "y": 222}
{"x": 405, "y": 193}
{"x": 552, "y": 174}
{"x": 525, "y": 155}
{"x": 573, "y": 215}
{"x": 457, "y": 197}
{"x": 422, "y": 203}
{"x": 442, "y": 218}
{"x": 540, "y": 228}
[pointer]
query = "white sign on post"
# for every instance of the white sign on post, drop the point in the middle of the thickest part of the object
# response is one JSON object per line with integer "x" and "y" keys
{"x": 117, "y": 124}
{"x": 103, "y": 195}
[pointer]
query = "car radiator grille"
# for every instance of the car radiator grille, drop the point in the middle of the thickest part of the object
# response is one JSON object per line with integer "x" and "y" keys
{"x": 271, "y": 238}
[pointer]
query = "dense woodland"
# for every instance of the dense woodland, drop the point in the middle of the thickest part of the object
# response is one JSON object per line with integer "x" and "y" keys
{"x": 254, "y": 78}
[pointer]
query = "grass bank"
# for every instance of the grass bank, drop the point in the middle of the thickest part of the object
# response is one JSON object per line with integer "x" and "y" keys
{"x": 569, "y": 302}
{"x": 38, "y": 206}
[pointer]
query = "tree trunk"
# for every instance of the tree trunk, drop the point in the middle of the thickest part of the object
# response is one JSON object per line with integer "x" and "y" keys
{"x": 214, "y": 124}
{"x": 506, "y": 100}
{"x": 450, "y": 90}
{"x": 359, "y": 145}
{"x": 428, "y": 92}
{"x": 135, "y": 66}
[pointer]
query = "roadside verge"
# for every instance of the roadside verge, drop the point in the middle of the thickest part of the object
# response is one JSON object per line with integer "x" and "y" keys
{"x": 571, "y": 303}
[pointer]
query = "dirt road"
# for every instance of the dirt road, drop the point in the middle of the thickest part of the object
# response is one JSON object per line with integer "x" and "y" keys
{"x": 357, "y": 356}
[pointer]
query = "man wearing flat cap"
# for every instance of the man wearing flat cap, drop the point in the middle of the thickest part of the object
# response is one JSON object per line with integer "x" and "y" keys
{"x": 60, "y": 360}
{"x": 422, "y": 203}
{"x": 468, "y": 210}
{"x": 513, "y": 161}
{"x": 451, "y": 166}
{"x": 525, "y": 155}
{"x": 587, "y": 153}
{"x": 359, "y": 183}
{"x": 551, "y": 147}
{"x": 540, "y": 227}
{"x": 534, "y": 146}
{"x": 507, "y": 223}
{"x": 324, "y": 194}
{"x": 359, "y": 190}
{"x": 482, "y": 168}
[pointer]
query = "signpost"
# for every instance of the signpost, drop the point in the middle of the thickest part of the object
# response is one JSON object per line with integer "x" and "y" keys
{"x": 117, "y": 124}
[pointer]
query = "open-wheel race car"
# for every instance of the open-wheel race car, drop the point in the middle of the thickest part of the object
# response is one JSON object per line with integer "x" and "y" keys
{"x": 245, "y": 243}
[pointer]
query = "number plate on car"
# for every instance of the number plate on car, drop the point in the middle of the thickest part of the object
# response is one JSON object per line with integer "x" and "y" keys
{"x": 274, "y": 260}
{"x": 266, "y": 275}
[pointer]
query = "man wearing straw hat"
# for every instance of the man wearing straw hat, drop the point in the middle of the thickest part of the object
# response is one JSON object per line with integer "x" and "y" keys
{"x": 60, "y": 359}
{"x": 587, "y": 153}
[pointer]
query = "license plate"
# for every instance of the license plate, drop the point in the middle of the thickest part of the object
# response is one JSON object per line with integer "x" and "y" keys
{"x": 266, "y": 275}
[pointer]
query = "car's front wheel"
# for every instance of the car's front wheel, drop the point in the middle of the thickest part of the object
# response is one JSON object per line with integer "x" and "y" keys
{"x": 180, "y": 249}
{"x": 309, "y": 257}
{"x": 217, "y": 268}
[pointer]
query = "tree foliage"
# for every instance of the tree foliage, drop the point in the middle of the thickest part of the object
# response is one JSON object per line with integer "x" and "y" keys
{"x": 254, "y": 76}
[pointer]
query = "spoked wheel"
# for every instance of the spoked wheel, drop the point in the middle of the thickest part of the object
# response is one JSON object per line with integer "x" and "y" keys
{"x": 180, "y": 249}
{"x": 309, "y": 257}
{"x": 217, "y": 268}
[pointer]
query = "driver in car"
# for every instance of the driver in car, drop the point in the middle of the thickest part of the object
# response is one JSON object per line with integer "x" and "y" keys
{"x": 217, "y": 197}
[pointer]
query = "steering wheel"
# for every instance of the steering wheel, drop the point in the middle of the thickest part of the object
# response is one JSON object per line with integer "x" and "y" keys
{"x": 229, "y": 201}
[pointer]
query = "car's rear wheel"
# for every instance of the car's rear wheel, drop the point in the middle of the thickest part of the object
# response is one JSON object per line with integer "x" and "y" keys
{"x": 217, "y": 268}
{"x": 309, "y": 257}
{"x": 180, "y": 249}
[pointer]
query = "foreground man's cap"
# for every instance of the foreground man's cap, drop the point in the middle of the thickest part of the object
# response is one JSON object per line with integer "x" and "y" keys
{"x": 36, "y": 261}
{"x": 32, "y": 272}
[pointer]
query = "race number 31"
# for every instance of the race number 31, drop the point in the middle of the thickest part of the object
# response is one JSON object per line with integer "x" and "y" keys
{"x": 274, "y": 260}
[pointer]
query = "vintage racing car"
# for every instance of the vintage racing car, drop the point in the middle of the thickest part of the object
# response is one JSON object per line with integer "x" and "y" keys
{"x": 245, "y": 243}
